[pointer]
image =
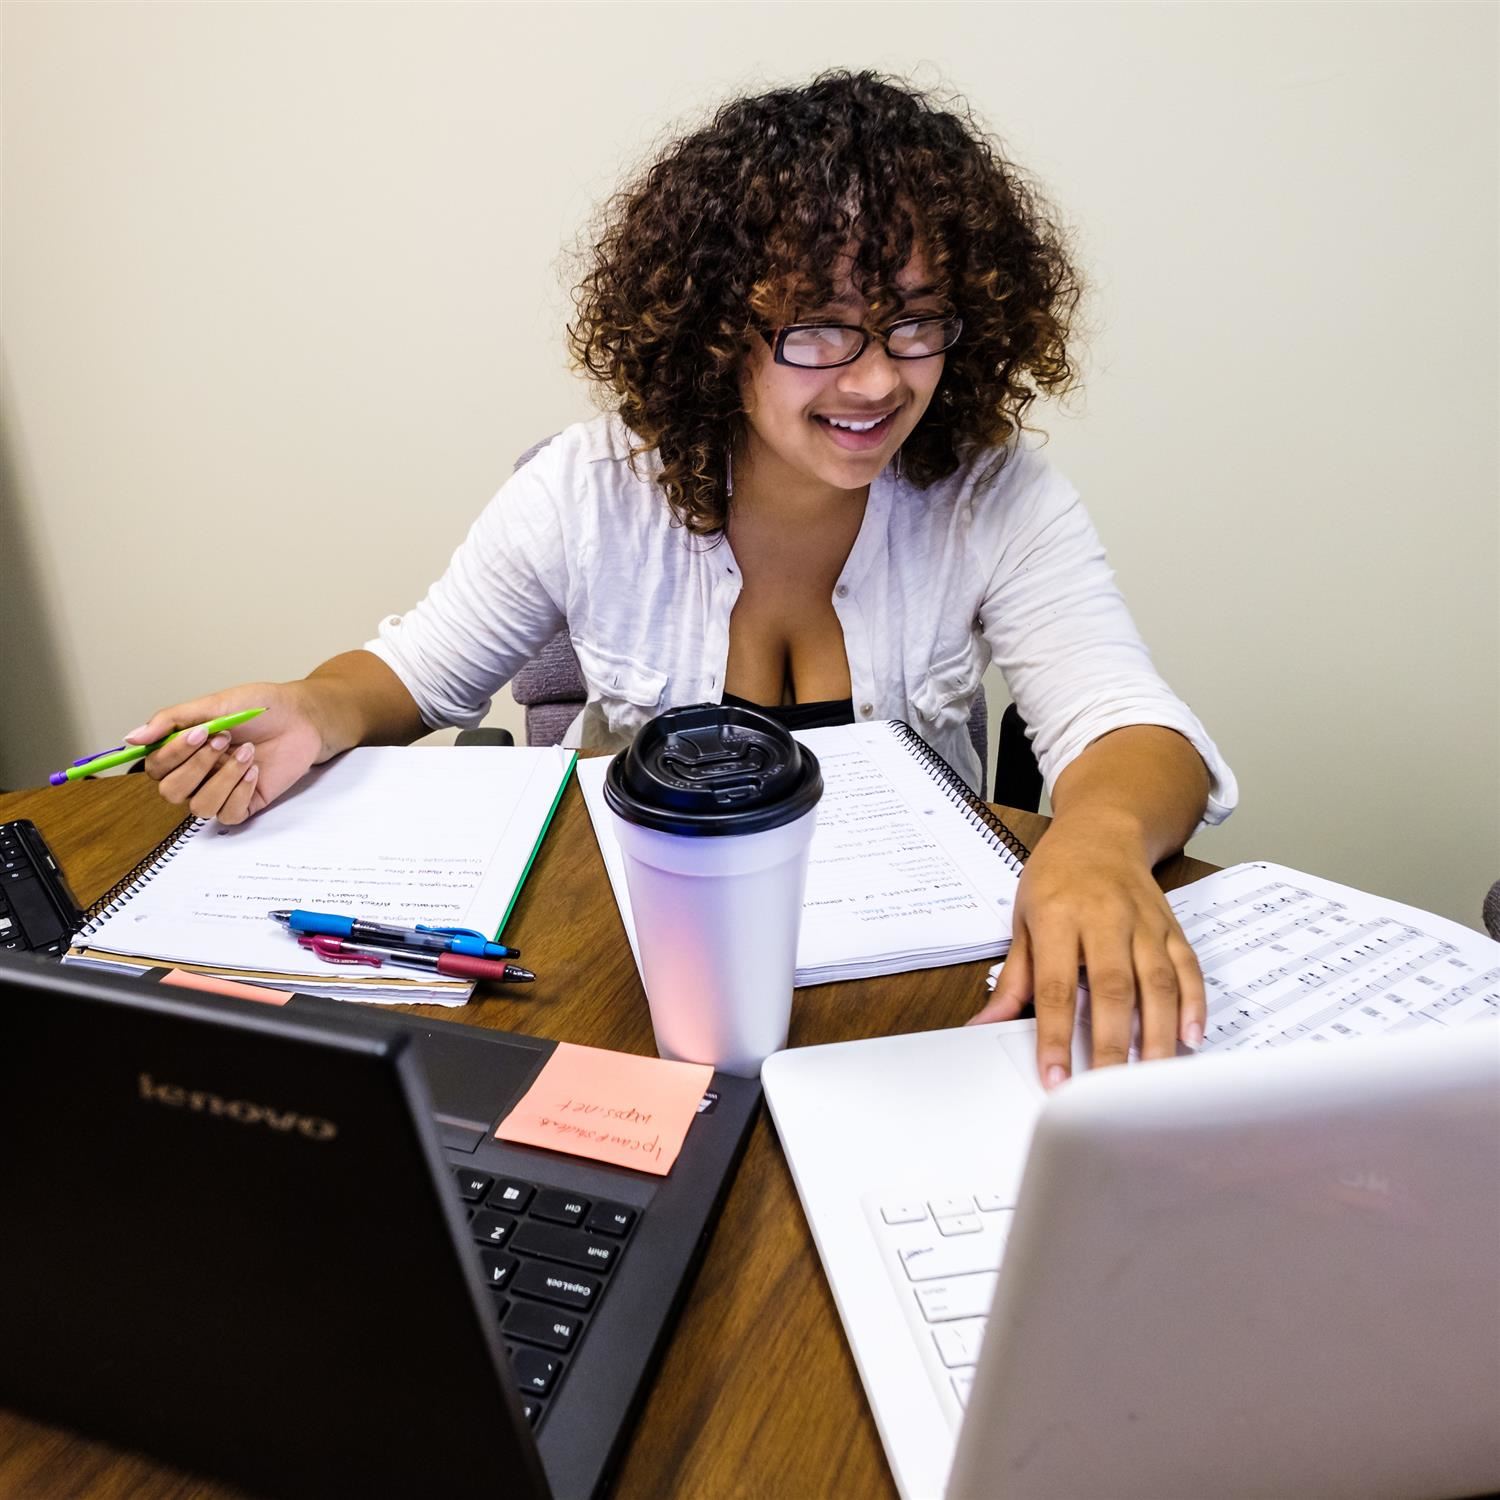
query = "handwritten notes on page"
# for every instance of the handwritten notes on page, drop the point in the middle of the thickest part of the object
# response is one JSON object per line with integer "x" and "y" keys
{"x": 617, "y": 1107}
{"x": 1288, "y": 957}
{"x": 899, "y": 876}
{"x": 395, "y": 834}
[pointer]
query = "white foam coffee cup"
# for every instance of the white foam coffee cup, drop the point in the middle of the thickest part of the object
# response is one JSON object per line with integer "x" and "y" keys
{"x": 714, "y": 808}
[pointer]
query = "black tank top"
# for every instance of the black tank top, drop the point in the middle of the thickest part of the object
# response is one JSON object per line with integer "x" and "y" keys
{"x": 801, "y": 715}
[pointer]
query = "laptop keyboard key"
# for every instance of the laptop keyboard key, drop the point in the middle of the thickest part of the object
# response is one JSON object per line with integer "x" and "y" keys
{"x": 958, "y": 1343}
{"x": 537, "y": 1324}
{"x": 943, "y": 1251}
{"x": 552, "y": 1284}
{"x": 958, "y": 1297}
{"x": 511, "y": 1195}
{"x": 904, "y": 1213}
{"x": 558, "y": 1207}
{"x": 610, "y": 1218}
{"x": 491, "y": 1228}
{"x": 535, "y": 1370}
{"x": 472, "y": 1186}
{"x": 538, "y": 1296}
{"x": 574, "y": 1247}
{"x": 961, "y": 1224}
{"x": 934, "y": 1257}
{"x": 498, "y": 1268}
{"x": 947, "y": 1208}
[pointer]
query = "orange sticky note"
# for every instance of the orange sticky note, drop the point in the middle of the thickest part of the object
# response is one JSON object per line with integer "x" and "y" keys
{"x": 184, "y": 979}
{"x": 612, "y": 1106}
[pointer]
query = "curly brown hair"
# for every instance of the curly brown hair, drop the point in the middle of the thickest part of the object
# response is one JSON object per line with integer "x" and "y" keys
{"x": 742, "y": 225}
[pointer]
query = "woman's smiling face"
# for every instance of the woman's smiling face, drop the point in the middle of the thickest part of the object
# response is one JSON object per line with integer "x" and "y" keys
{"x": 812, "y": 424}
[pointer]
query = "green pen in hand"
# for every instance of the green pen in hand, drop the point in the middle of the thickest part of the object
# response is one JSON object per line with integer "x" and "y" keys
{"x": 107, "y": 760}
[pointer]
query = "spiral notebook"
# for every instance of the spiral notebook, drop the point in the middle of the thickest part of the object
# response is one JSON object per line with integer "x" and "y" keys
{"x": 908, "y": 869}
{"x": 438, "y": 835}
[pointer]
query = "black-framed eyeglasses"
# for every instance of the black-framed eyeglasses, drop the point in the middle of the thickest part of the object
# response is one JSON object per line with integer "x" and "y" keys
{"x": 822, "y": 346}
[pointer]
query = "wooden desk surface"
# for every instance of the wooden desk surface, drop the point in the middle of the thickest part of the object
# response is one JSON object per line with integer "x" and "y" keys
{"x": 758, "y": 1395}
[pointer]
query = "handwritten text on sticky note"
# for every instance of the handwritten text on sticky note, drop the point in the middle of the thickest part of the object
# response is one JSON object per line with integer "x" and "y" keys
{"x": 612, "y": 1106}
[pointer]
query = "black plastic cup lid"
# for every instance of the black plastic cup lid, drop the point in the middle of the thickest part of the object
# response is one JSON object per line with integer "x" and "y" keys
{"x": 713, "y": 769}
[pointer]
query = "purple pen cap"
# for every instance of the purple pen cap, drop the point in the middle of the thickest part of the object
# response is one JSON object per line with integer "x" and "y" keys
{"x": 58, "y": 778}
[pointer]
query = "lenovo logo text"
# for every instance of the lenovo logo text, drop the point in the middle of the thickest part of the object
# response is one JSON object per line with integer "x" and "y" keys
{"x": 242, "y": 1111}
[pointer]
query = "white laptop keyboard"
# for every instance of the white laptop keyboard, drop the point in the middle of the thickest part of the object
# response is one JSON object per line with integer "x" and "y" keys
{"x": 942, "y": 1253}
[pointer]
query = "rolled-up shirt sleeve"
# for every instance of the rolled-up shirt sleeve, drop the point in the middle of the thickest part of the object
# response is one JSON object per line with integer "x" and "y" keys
{"x": 500, "y": 600}
{"x": 1062, "y": 636}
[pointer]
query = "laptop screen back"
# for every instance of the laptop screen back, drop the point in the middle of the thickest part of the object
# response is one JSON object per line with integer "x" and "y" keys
{"x": 1241, "y": 1276}
{"x": 227, "y": 1241}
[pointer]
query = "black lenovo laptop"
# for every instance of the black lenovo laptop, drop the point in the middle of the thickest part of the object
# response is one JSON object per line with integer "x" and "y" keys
{"x": 281, "y": 1245}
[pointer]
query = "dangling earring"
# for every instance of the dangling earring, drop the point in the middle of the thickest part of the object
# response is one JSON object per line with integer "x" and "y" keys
{"x": 728, "y": 473}
{"x": 897, "y": 464}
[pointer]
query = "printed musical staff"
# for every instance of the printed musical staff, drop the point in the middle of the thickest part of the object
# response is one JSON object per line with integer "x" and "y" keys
{"x": 1287, "y": 957}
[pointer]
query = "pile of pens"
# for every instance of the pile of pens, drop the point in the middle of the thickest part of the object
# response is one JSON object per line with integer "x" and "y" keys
{"x": 457, "y": 952}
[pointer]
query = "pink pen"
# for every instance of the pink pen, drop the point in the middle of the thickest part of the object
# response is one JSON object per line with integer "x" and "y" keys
{"x": 332, "y": 951}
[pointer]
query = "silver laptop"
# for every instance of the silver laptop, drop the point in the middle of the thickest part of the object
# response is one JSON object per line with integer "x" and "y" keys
{"x": 1274, "y": 1274}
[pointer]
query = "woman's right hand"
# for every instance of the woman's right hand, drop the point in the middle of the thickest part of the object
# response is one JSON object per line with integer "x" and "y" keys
{"x": 237, "y": 772}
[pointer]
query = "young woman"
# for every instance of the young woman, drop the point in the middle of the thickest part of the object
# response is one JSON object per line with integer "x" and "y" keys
{"x": 821, "y": 320}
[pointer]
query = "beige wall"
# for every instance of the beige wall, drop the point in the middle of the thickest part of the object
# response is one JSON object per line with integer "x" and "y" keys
{"x": 282, "y": 298}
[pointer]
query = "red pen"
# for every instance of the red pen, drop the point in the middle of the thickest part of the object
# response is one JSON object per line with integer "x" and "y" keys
{"x": 453, "y": 965}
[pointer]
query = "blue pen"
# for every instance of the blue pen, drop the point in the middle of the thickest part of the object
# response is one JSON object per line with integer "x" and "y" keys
{"x": 421, "y": 938}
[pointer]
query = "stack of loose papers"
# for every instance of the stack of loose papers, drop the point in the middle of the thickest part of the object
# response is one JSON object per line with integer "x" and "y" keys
{"x": 901, "y": 875}
{"x": 437, "y": 835}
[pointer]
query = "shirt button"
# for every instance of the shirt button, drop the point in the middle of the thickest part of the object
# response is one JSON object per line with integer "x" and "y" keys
{"x": 842, "y": 590}
{"x": 866, "y": 709}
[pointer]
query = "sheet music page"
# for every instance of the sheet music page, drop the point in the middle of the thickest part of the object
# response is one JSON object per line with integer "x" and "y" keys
{"x": 403, "y": 834}
{"x": 1289, "y": 957}
{"x": 898, "y": 876}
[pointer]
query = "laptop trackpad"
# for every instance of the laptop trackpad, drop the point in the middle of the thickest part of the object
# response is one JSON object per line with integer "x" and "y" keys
{"x": 474, "y": 1080}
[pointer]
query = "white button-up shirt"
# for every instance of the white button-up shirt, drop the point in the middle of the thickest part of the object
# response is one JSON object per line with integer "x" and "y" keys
{"x": 978, "y": 567}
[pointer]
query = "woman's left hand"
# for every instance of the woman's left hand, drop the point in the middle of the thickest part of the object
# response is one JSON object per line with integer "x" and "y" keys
{"x": 1087, "y": 901}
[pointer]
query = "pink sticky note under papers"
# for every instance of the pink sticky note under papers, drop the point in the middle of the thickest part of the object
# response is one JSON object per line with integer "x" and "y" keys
{"x": 612, "y": 1106}
{"x": 185, "y": 979}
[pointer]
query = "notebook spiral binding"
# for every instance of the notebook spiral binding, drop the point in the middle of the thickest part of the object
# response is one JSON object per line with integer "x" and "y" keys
{"x": 991, "y": 827}
{"x": 141, "y": 875}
